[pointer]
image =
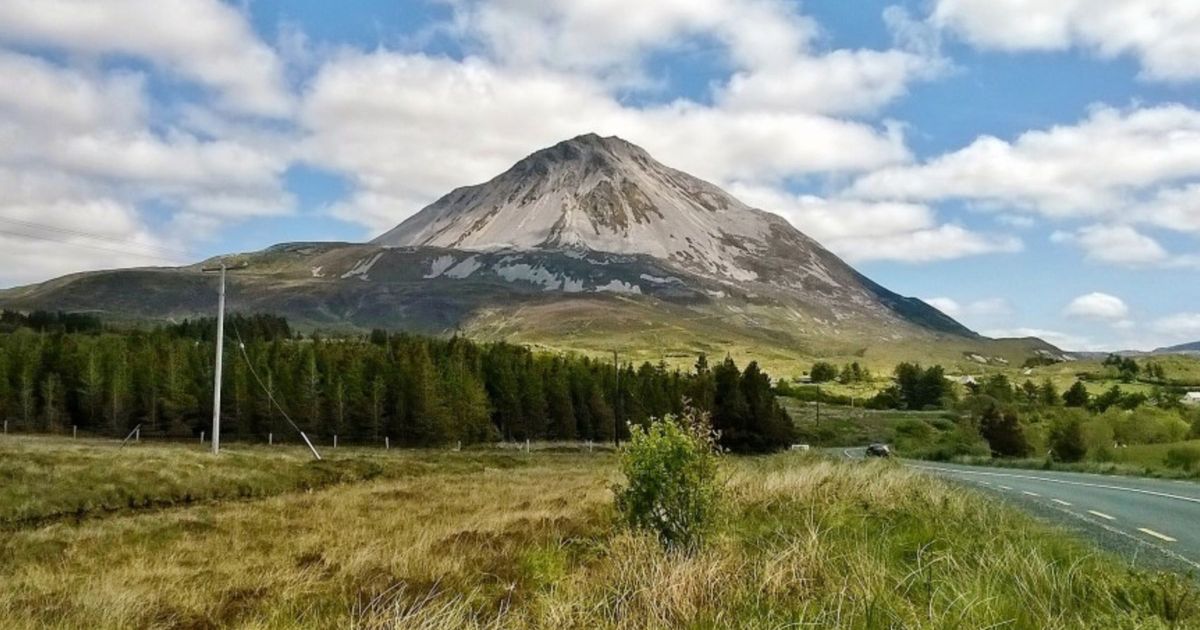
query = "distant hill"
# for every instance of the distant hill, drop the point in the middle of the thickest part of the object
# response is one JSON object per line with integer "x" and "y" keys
{"x": 1184, "y": 348}
{"x": 589, "y": 245}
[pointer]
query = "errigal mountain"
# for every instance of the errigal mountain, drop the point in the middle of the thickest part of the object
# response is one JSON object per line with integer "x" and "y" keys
{"x": 588, "y": 245}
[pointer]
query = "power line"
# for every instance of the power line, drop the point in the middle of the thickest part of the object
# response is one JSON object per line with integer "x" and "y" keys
{"x": 270, "y": 394}
{"x": 97, "y": 237}
{"x": 66, "y": 241}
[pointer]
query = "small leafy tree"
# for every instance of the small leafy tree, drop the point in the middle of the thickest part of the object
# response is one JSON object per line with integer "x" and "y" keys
{"x": 823, "y": 372}
{"x": 1067, "y": 439}
{"x": 1077, "y": 396}
{"x": 1003, "y": 432}
{"x": 671, "y": 469}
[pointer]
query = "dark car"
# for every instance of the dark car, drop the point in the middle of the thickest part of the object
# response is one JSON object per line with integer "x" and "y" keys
{"x": 879, "y": 450}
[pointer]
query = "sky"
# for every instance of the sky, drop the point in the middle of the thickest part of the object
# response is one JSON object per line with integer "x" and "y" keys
{"x": 1030, "y": 168}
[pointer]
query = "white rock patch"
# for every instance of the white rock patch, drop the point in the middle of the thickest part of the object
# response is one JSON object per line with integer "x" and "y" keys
{"x": 527, "y": 273}
{"x": 363, "y": 266}
{"x": 619, "y": 286}
{"x": 464, "y": 268}
{"x": 439, "y": 266}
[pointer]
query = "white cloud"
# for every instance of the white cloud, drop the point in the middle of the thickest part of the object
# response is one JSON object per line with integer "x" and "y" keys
{"x": 410, "y": 127}
{"x": 946, "y": 305}
{"x": 611, "y": 33}
{"x": 984, "y": 309}
{"x": 1180, "y": 328}
{"x": 862, "y": 231}
{"x": 1098, "y": 306}
{"x": 79, "y": 153}
{"x": 843, "y": 81}
{"x": 1116, "y": 244}
{"x": 1172, "y": 208}
{"x": 1095, "y": 168}
{"x": 1064, "y": 341}
{"x": 1164, "y": 35}
{"x": 207, "y": 41}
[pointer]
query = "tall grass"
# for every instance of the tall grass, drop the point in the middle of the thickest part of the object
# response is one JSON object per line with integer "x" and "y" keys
{"x": 493, "y": 543}
{"x": 48, "y": 478}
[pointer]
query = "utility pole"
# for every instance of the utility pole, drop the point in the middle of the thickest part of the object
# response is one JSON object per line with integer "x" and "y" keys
{"x": 216, "y": 423}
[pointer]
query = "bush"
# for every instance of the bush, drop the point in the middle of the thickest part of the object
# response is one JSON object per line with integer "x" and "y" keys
{"x": 671, "y": 468}
{"x": 823, "y": 372}
{"x": 1003, "y": 432}
{"x": 1183, "y": 457}
{"x": 1067, "y": 439}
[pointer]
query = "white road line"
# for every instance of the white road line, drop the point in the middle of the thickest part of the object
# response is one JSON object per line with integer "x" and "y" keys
{"x": 1061, "y": 502}
{"x": 1140, "y": 541}
{"x": 1004, "y": 488}
{"x": 1151, "y": 532}
{"x": 986, "y": 483}
{"x": 1032, "y": 494}
{"x": 1061, "y": 481}
{"x": 1101, "y": 515}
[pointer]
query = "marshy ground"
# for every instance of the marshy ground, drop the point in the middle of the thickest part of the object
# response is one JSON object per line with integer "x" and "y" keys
{"x": 163, "y": 537}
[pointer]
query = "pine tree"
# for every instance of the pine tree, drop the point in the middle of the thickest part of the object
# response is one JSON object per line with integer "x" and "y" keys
{"x": 118, "y": 393}
{"x": 53, "y": 403}
{"x": 1048, "y": 394}
{"x": 558, "y": 402}
{"x": 5, "y": 387}
{"x": 466, "y": 403}
{"x": 91, "y": 389}
{"x": 533, "y": 400}
{"x": 1077, "y": 396}
{"x": 730, "y": 410}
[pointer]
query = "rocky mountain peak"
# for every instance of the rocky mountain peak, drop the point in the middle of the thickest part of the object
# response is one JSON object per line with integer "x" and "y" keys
{"x": 605, "y": 194}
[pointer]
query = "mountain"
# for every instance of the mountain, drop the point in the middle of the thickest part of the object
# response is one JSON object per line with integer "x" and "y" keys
{"x": 608, "y": 195}
{"x": 1184, "y": 348}
{"x": 588, "y": 245}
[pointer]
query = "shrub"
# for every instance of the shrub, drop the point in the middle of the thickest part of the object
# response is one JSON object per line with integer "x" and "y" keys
{"x": 823, "y": 372}
{"x": 671, "y": 469}
{"x": 1067, "y": 439}
{"x": 1003, "y": 432}
{"x": 1183, "y": 457}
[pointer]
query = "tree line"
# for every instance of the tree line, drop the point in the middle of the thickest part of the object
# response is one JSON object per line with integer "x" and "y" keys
{"x": 411, "y": 389}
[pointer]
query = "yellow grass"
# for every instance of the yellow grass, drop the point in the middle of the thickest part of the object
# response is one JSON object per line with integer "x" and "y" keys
{"x": 528, "y": 541}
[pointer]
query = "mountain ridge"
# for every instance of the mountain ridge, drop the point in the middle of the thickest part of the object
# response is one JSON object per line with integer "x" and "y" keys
{"x": 607, "y": 194}
{"x": 529, "y": 257}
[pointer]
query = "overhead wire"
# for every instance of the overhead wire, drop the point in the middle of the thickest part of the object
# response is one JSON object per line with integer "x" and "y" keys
{"x": 97, "y": 237}
{"x": 267, "y": 390}
{"x": 68, "y": 241}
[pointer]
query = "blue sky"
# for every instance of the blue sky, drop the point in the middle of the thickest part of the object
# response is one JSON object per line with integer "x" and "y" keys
{"x": 1028, "y": 174}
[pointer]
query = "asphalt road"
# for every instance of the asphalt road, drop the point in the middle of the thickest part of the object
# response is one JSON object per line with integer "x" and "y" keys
{"x": 1137, "y": 517}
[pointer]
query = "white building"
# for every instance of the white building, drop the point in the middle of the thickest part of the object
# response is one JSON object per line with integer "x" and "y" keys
{"x": 1191, "y": 398}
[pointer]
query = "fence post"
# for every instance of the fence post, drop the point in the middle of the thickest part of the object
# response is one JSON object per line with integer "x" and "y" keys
{"x": 387, "y": 443}
{"x": 526, "y": 445}
{"x": 270, "y": 439}
{"x": 6, "y": 427}
{"x": 201, "y": 437}
{"x": 334, "y": 440}
{"x": 137, "y": 434}
{"x": 74, "y": 431}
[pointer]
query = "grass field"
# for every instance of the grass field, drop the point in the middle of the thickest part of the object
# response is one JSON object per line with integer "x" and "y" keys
{"x": 500, "y": 540}
{"x": 837, "y": 425}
